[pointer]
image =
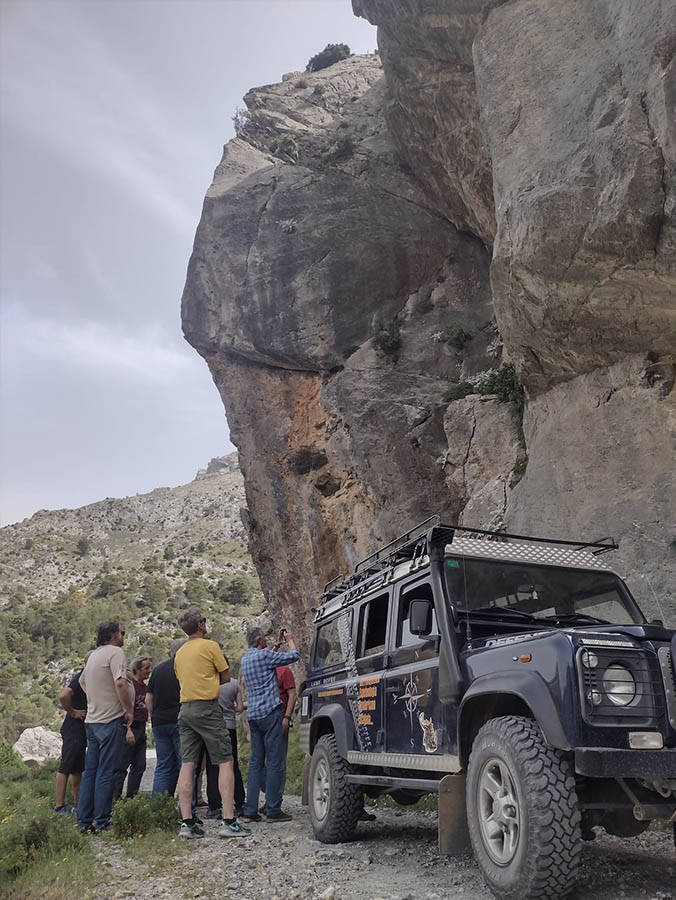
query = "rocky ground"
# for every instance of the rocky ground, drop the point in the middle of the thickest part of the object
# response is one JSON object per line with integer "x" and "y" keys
{"x": 394, "y": 858}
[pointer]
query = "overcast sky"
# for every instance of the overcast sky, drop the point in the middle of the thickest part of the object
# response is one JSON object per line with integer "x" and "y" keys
{"x": 113, "y": 117}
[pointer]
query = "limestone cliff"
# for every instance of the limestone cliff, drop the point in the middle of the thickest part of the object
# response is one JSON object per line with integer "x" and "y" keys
{"x": 383, "y": 248}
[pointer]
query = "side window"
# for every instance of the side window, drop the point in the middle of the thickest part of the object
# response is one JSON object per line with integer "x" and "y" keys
{"x": 404, "y": 636}
{"x": 373, "y": 626}
{"x": 327, "y": 651}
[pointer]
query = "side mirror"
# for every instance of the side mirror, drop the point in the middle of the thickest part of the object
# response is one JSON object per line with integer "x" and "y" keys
{"x": 420, "y": 617}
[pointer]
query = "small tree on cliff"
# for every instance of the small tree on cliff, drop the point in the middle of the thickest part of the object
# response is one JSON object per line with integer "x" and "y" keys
{"x": 331, "y": 54}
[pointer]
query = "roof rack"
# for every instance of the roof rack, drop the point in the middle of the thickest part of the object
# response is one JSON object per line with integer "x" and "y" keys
{"x": 416, "y": 542}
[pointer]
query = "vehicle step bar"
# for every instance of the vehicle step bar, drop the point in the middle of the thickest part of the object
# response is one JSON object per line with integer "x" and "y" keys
{"x": 431, "y": 785}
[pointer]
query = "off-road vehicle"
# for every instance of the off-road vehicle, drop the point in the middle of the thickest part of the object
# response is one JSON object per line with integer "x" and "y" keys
{"x": 516, "y": 676}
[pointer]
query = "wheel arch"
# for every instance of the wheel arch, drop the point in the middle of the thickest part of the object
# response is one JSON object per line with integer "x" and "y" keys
{"x": 508, "y": 694}
{"x": 332, "y": 719}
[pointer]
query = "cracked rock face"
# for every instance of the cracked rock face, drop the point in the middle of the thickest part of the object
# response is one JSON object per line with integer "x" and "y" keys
{"x": 581, "y": 139}
{"x": 340, "y": 284}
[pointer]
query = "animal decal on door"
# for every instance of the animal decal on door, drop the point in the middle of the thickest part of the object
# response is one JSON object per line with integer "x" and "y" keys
{"x": 430, "y": 739}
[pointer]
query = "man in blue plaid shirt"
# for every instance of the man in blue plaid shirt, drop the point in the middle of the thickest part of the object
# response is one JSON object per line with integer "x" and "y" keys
{"x": 259, "y": 670}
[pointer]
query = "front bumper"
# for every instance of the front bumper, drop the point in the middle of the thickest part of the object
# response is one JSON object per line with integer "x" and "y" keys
{"x": 626, "y": 763}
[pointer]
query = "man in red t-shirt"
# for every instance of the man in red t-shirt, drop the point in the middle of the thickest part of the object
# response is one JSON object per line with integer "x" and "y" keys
{"x": 133, "y": 757}
{"x": 288, "y": 694}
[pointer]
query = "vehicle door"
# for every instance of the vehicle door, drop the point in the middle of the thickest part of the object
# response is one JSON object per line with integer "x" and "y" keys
{"x": 371, "y": 621}
{"x": 414, "y": 718}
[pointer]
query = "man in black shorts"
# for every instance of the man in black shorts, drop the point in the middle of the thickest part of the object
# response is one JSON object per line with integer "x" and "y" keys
{"x": 74, "y": 700}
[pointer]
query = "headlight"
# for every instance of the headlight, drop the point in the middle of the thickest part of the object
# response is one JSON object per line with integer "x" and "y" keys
{"x": 619, "y": 685}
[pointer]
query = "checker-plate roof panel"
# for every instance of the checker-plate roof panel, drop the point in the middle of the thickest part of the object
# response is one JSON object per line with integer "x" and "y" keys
{"x": 520, "y": 551}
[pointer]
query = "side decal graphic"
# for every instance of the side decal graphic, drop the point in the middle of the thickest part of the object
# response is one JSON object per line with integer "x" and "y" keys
{"x": 430, "y": 739}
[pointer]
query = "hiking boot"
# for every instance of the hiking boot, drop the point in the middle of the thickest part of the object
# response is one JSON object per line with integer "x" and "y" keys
{"x": 364, "y": 816}
{"x": 214, "y": 814}
{"x": 251, "y": 817}
{"x": 191, "y": 831}
{"x": 281, "y": 816}
{"x": 233, "y": 829}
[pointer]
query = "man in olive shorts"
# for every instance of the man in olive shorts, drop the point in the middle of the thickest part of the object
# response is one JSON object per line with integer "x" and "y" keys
{"x": 201, "y": 669}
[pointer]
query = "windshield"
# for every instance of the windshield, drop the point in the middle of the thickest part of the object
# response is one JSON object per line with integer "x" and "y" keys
{"x": 543, "y": 593}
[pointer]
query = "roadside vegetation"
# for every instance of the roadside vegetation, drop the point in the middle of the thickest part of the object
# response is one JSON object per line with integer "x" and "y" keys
{"x": 43, "y": 855}
{"x": 44, "y": 642}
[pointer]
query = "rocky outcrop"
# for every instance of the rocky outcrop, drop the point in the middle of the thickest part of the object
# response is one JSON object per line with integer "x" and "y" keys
{"x": 334, "y": 305}
{"x": 37, "y": 745}
{"x": 378, "y": 244}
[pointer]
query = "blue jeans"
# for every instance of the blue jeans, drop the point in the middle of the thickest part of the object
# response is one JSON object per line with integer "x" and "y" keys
{"x": 168, "y": 764}
{"x": 105, "y": 743}
{"x": 266, "y": 751}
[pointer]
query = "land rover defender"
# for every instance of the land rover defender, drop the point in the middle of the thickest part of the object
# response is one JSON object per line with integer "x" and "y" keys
{"x": 514, "y": 676}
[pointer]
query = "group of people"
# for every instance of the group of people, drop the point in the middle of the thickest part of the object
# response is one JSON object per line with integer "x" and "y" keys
{"x": 191, "y": 702}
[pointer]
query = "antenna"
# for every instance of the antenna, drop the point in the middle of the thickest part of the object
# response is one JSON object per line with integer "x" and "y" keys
{"x": 657, "y": 599}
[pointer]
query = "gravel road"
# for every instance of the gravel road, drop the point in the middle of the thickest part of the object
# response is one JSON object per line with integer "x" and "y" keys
{"x": 394, "y": 858}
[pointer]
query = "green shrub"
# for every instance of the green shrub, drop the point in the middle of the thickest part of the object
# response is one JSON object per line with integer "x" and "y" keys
{"x": 82, "y": 547}
{"x": 139, "y": 815}
{"x": 387, "y": 339}
{"x": 240, "y": 120}
{"x": 11, "y": 763}
{"x": 285, "y": 146}
{"x": 342, "y": 150}
{"x": 23, "y": 838}
{"x": 331, "y": 54}
{"x": 455, "y": 337}
{"x": 502, "y": 382}
{"x": 458, "y": 391}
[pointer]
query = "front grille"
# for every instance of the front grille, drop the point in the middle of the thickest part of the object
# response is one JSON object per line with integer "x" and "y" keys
{"x": 643, "y": 691}
{"x": 668, "y": 667}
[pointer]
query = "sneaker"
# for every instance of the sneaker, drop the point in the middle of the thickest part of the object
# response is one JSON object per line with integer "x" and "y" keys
{"x": 214, "y": 814}
{"x": 239, "y": 812}
{"x": 251, "y": 817}
{"x": 61, "y": 811}
{"x": 365, "y": 816}
{"x": 233, "y": 829}
{"x": 202, "y": 803}
{"x": 197, "y": 820}
{"x": 191, "y": 831}
{"x": 281, "y": 816}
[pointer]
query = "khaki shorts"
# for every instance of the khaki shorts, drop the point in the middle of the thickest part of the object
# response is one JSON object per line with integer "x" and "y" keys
{"x": 201, "y": 722}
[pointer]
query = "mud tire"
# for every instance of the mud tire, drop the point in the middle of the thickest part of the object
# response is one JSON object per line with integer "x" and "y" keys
{"x": 334, "y": 803}
{"x": 542, "y": 861}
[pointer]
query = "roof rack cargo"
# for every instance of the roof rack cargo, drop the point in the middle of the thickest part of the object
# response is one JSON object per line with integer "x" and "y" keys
{"x": 415, "y": 543}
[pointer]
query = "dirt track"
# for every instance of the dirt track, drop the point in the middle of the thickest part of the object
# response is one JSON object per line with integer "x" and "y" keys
{"x": 395, "y": 858}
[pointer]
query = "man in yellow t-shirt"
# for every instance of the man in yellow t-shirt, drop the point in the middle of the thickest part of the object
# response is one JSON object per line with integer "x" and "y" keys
{"x": 201, "y": 669}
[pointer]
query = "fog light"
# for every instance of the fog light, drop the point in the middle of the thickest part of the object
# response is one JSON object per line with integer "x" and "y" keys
{"x": 594, "y": 697}
{"x": 646, "y": 740}
{"x": 589, "y": 660}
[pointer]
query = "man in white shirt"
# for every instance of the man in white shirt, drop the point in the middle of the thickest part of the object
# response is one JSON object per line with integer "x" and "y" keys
{"x": 109, "y": 709}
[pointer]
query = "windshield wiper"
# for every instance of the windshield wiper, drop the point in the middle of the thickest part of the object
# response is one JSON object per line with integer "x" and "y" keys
{"x": 499, "y": 611}
{"x": 577, "y": 617}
